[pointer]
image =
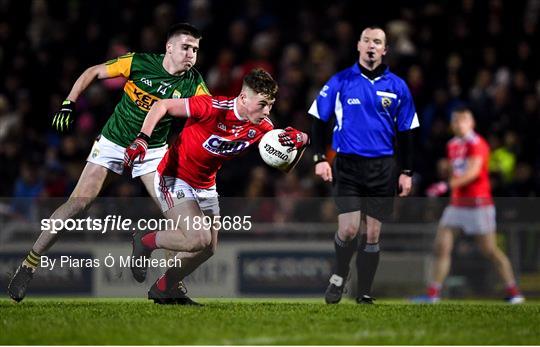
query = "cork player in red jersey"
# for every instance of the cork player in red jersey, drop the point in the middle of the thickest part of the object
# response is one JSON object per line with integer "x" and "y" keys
{"x": 217, "y": 129}
{"x": 471, "y": 208}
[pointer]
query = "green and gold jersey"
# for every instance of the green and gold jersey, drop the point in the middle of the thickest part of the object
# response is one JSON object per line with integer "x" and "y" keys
{"x": 147, "y": 83}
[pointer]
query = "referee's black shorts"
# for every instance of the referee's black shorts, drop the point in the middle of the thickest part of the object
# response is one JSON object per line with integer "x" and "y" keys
{"x": 365, "y": 184}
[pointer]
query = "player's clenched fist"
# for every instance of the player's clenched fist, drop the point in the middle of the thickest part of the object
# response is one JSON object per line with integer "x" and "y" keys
{"x": 137, "y": 149}
{"x": 295, "y": 139}
{"x": 63, "y": 119}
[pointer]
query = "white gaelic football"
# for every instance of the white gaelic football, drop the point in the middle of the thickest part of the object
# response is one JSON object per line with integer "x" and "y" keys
{"x": 274, "y": 153}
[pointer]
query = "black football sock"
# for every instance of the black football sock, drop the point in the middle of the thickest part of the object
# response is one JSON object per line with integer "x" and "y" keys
{"x": 344, "y": 253}
{"x": 367, "y": 261}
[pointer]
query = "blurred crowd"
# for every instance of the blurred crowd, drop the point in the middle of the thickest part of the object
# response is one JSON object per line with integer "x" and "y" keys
{"x": 481, "y": 53}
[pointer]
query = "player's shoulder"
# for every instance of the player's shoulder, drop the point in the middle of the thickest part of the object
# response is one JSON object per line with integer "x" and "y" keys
{"x": 348, "y": 73}
{"x": 147, "y": 61}
{"x": 478, "y": 140}
{"x": 148, "y": 57}
{"x": 338, "y": 79}
{"x": 222, "y": 102}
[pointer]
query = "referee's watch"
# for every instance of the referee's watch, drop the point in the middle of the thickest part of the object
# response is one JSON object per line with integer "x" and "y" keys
{"x": 407, "y": 173}
{"x": 318, "y": 157}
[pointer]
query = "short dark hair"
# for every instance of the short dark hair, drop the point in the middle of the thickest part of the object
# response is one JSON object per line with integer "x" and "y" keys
{"x": 183, "y": 28}
{"x": 261, "y": 82}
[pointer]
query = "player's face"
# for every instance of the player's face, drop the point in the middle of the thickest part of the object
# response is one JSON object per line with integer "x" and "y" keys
{"x": 462, "y": 123}
{"x": 372, "y": 47}
{"x": 182, "y": 50}
{"x": 257, "y": 106}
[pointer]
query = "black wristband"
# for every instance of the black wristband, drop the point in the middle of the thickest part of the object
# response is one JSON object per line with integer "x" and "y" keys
{"x": 319, "y": 157}
{"x": 143, "y": 136}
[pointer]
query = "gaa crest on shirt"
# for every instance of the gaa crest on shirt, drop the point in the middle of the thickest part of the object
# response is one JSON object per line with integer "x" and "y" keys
{"x": 386, "y": 102}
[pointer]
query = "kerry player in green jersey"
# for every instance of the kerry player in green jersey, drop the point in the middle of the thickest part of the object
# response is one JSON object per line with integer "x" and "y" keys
{"x": 150, "y": 77}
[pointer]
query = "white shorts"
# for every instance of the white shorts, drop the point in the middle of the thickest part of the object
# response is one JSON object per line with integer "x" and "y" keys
{"x": 472, "y": 220}
{"x": 172, "y": 191}
{"x": 110, "y": 155}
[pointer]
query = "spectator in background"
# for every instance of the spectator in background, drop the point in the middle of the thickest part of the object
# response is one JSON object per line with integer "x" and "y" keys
{"x": 27, "y": 187}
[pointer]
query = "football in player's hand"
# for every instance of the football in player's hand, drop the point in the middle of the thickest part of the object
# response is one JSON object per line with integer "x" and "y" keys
{"x": 274, "y": 153}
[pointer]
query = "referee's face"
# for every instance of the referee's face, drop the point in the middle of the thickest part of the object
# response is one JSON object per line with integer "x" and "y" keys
{"x": 372, "y": 47}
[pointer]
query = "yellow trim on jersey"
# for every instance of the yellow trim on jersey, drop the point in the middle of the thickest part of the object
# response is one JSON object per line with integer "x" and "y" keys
{"x": 120, "y": 66}
{"x": 201, "y": 90}
{"x": 142, "y": 99}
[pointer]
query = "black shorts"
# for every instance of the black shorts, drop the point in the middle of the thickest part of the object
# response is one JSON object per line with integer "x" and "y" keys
{"x": 365, "y": 184}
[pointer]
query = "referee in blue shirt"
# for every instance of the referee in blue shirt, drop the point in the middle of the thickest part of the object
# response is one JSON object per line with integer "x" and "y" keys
{"x": 374, "y": 115}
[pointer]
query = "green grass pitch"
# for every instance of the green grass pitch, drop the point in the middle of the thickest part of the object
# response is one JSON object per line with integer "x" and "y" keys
{"x": 267, "y": 322}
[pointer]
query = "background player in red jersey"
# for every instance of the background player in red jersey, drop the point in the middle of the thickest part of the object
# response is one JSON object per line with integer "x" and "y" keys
{"x": 471, "y": 208}
{"x": 218, "y": 129}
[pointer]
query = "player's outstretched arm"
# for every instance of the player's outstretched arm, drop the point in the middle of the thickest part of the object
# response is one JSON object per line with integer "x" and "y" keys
{"x": 173, "y": 107}
{"x": 65, "y": 117}
{"x": 86, "y": 78}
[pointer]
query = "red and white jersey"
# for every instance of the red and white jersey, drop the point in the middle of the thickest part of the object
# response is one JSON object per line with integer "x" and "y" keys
{"x": 213, "y": 133}
{"x": 477, "y": 192}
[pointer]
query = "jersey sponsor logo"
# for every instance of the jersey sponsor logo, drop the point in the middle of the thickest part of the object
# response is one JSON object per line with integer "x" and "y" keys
{"x": 353, "y": 101}
{"x": 224, "y": 147}
{"x": 459, "y": 166}
{"x": 323, "y": 91}
{"x": 141, "y": 98}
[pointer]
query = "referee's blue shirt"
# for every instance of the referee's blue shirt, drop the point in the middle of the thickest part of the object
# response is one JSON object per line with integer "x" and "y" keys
{"x": 367, "y": 112}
